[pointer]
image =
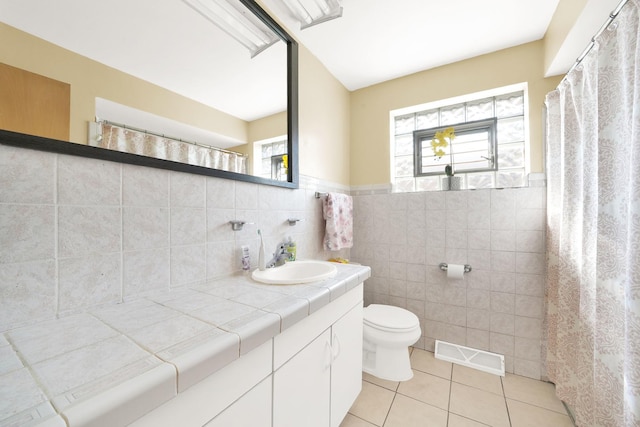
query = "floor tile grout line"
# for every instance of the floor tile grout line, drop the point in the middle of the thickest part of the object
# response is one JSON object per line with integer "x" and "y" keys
{"x": 360, "y": 418}
{"x": 389, "y": 411}
{"x": 415, "y": 399}
{"x": 450, "y": 394}
{"x": 524, "y": 402}
{"x": 506, "y": 405}
{"x": 528, "y": 402}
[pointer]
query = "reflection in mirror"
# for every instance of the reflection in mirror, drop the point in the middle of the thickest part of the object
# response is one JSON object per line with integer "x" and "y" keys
{"x": 252, "y": 94}
{"x": 119, "y": 137}
{"x": 273, "y": 161}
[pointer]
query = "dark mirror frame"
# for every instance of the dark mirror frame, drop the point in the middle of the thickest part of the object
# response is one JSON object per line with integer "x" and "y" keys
{"x": 65, "y": 147}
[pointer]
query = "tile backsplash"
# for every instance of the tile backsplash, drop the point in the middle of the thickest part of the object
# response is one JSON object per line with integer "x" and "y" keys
{"x": 78, "y": 233}
{"x": 498, "y": 306}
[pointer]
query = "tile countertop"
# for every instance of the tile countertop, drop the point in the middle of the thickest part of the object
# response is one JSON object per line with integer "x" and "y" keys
{"x": 145, "y": 351}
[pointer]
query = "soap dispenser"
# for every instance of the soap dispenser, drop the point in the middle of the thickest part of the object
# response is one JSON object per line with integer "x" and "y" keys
{"x": 291, "y": 248}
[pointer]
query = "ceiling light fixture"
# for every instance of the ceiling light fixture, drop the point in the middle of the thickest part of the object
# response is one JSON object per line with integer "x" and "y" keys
{"x": 232, "y": 17}
{"x": 313, "y": 12}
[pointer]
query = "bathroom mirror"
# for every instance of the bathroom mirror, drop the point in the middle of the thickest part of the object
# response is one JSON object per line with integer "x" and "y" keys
{"x": 255, "y": 92}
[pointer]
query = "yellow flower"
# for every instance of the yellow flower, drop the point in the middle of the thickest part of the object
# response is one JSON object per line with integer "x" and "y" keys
{"x": 285, "y": 161}
{"x": 440, "y": 141}
{"x": 449, "y": 133}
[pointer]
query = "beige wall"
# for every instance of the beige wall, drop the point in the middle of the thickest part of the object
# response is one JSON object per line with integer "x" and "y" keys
{"x": 370, "y": 106}
{"x": 563, "y": 20}
{"x": 324, "y": 122}
{"x": 90, "y": 79}
{"x": 268, "y": 127}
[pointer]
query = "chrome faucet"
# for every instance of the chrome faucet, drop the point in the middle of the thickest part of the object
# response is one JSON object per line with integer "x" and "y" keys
{"x": 280, "y": 256}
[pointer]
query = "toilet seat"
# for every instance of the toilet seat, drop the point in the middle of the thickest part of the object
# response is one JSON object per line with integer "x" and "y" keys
{"x": 389, "y": 318}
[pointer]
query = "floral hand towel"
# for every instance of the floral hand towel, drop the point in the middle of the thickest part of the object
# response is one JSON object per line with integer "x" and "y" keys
{"x": 338, "y": 212}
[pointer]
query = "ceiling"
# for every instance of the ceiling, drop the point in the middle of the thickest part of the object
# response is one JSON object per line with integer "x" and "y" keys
{"x": 378, "y": 40}
{"x": 372, "y": 42}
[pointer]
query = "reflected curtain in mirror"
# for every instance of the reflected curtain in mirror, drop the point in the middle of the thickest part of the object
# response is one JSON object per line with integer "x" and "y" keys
{"x": 121, "y": 138}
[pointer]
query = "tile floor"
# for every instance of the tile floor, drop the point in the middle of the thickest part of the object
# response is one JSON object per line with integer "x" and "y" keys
{"x": 449, "y": 395}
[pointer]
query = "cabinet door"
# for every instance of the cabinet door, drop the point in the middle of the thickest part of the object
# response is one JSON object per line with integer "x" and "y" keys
{"x": 253, "y": 409}
{"x": 301, "y": 386}
{"x": 346, "y": 368}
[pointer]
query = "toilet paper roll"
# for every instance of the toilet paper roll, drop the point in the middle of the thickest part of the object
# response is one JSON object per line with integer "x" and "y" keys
{"x": 455, "y": 271}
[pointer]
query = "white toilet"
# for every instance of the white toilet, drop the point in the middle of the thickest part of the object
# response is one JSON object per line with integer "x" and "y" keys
{"x": 388, "y": 332}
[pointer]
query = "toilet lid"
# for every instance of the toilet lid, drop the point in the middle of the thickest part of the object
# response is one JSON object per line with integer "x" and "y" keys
{"x": 390, "y": 317}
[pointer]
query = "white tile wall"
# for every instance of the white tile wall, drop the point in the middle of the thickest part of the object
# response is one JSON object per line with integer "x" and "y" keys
{"x": 499, "y": 305}
{"x": 76, "y": 232}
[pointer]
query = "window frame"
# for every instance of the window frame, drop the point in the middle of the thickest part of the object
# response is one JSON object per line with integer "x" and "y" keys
{"x": 514, "y": 159}
{"x": 464, "y": 128}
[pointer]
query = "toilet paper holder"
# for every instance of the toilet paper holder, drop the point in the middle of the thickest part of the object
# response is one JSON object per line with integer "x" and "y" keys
{"x": 444, "y": 267}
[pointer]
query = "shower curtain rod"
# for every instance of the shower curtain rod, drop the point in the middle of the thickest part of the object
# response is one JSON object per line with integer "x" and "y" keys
{"x": 586, "y": 51}
{"x": 199, "y": 144}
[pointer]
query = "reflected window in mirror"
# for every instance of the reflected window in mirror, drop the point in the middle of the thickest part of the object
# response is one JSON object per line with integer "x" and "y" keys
{"x": 279, "y": 167}
{"x": 271, "y": 159}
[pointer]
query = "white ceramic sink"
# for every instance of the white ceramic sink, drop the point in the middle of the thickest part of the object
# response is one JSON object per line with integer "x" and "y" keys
{"x": 296, "y": 272}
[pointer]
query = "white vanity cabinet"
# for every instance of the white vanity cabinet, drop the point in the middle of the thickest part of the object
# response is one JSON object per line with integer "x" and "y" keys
{"x": 318, "y": 385}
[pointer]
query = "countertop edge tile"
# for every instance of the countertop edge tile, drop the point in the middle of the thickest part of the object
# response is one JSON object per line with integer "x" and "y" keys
{"x": 290, "y": 309}
{"x": 364, "y": 275}
{"x": 56, "y": 421}
{"x": 127, "y": 401}
{"x": 337, "y": 287}
{"x": 318, "y": 299}
{"x": 261, "y": 327}
{"x": 199, "y": 363}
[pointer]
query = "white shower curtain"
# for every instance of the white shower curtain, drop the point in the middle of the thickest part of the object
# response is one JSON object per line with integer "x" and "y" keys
{"x": 137, "y": 142}
{"x": 593, "y": 230}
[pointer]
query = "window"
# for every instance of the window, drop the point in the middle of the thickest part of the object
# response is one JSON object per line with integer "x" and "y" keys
{"x": 279, "y": 167}
{"x": 490, "y": 148}
{"x": 270, "y": 155}
{"x": 473, "y": 149}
